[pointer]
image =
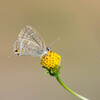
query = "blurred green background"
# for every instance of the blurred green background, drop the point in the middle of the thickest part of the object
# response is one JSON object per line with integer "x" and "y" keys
{"x": 77, "y": 23}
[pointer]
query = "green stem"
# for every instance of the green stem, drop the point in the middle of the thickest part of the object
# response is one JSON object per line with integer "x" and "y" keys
{"x": 72, "y": 92}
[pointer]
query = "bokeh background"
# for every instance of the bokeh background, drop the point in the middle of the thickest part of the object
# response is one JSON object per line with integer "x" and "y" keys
{"x": 77, "y": 23}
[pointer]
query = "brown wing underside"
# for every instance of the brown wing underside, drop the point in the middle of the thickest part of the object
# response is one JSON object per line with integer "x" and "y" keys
{"x": 27, "y": 48}
{"x": 31, "y": 34}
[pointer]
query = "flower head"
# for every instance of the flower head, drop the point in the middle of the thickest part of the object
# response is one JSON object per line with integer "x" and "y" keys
{"x": 50, "y": 60}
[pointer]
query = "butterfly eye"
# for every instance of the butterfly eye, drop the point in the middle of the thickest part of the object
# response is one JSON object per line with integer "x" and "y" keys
{"x": 48, "y": 49}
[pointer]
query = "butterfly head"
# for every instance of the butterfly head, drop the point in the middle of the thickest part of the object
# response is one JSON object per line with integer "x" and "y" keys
{"x": 48, "y": 49}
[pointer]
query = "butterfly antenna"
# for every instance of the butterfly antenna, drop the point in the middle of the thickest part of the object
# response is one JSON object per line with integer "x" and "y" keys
{"x": 54, "y": 41}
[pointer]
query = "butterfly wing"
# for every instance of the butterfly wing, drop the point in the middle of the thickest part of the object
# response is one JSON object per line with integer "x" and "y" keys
{"x": 29, "y": 43}
{"x": 25, "y": 47}
{"x": 31, "y": 34}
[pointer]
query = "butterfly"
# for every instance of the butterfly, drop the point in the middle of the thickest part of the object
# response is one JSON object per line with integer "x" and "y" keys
{"x": 30, "y": 43}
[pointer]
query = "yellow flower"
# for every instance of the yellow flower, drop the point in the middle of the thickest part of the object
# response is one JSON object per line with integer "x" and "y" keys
{"x": 50, "y": 60}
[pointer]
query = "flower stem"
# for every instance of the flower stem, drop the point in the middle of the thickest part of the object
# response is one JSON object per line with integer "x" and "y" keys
{"x": 72, "y": 92}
